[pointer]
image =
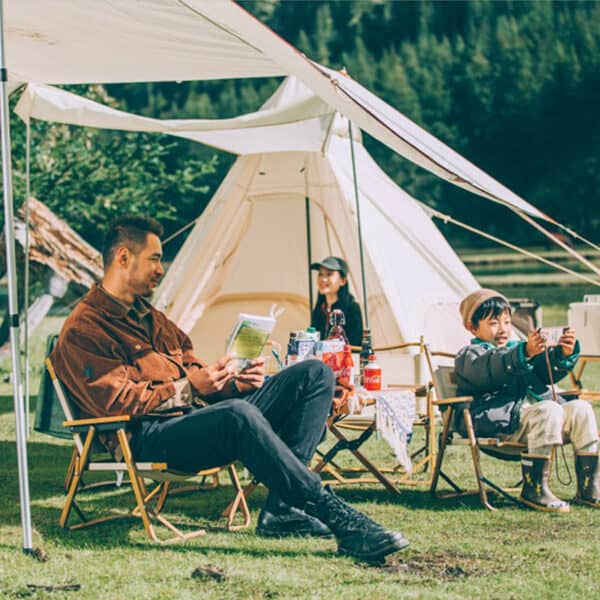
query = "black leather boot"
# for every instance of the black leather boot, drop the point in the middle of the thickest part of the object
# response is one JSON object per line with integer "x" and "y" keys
{"x": 588, "y": 479}
{"x": 357, "y": 535}
{"x": 278, "y": 519}
{"x": 536, "y": 493}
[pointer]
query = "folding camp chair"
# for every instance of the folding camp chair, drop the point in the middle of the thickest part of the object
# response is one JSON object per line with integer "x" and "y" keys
{"x": 85, "y": 437}
{"x": 444, "y": 384}
{"x": 576, "y": 375}
{"x": 345, "y": 425}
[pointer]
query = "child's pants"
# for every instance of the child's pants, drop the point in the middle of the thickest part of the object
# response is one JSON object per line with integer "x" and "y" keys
{"x": 548, "y": 423}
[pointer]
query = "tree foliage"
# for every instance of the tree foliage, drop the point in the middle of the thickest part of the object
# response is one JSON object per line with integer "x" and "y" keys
{"x": 513, "y": 86}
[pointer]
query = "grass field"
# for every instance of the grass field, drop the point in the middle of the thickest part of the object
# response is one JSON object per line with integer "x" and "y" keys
{"x": 457, "y": 549}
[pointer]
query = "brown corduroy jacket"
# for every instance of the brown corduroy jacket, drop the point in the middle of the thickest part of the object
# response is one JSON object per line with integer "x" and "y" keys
{"x": 111, "y": 363}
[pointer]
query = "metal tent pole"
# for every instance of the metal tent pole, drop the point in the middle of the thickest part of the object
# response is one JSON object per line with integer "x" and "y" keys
{"x": 13, "y": 303}
{"x": 360, "y": 240}
{"x": 308, "y": 244}
{"x": 308, "y": 239}
{"x": 27, "y": 272}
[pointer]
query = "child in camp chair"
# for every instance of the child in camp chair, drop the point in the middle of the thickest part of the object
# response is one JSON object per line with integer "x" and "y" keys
{"x": 509, "y": 382}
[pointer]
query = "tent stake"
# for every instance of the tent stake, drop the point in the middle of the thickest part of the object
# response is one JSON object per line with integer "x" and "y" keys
{"x": 360, "y": 241}
{"x": 13, "y": 303}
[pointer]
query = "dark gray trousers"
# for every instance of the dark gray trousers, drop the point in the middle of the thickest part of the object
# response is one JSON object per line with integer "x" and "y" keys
{"x": 273, "y": 432}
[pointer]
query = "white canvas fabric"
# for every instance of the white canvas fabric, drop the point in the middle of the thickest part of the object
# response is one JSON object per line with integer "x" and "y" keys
{"x": 88, "y": 41}
{"x": 81, "y": 41}
{"x": 249, "y": 249}
{"x": 299, "y": 121}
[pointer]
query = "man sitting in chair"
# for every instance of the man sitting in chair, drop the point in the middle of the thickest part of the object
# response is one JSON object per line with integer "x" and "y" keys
{"x": 118, "y": 355}
{"x": 509, "y": 381}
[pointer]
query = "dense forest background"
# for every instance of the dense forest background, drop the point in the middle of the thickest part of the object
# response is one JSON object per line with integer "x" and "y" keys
{"x": 513, "y": 86}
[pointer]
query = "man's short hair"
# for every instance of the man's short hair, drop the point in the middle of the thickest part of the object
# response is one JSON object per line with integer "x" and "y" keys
{"x": 493, "y": 307}
{"x": 130, "y": 231}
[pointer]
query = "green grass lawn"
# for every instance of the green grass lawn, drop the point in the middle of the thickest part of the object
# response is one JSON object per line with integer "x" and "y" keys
{"x": 457, "y": 548}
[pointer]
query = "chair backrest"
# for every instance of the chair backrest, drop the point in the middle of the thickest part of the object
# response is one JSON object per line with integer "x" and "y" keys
{"x": 49, "y": 412}
{"x": 53, "y": 403}
{"x": 66, "y": 405}
{"x": 441, "y": 371}
{"x": 444, "y": 381}
{"x": 401, "y": 363}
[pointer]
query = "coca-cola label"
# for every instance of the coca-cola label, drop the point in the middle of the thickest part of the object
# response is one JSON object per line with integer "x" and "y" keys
{"x": 372, "y": 379}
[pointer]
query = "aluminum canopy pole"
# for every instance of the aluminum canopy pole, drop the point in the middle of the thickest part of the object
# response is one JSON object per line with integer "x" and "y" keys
{"x": 13, "y": 302}
{"x": 360, "y": 240}
{"x": 27, "y": 270}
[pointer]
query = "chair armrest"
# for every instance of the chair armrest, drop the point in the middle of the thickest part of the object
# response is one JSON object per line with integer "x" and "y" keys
{"x": 570, "y": 394}
{"x": 97, "y": 421}
{"x": 455, "y": 400}
{"x": 379, "y": 349}
{"x": 418, "y": 389}
{"x": 100, "y": 423}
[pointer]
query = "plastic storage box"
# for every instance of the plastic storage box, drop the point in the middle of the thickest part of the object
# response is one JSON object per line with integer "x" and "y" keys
{"x": 584, "y": 318}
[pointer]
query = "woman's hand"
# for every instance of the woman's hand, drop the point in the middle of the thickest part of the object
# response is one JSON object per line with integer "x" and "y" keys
{"x": 253, "y": 377}
{"x": 567, "y": 342}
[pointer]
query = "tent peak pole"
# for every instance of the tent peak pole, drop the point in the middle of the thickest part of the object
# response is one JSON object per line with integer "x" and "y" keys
{"x": 360, "y": 240}
{"x": 308, "y": 238}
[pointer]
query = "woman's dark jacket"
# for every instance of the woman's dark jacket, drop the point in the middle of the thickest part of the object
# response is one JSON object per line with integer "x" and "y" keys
{"x": 354, "y": 323}
{"x": 501, "y": 379}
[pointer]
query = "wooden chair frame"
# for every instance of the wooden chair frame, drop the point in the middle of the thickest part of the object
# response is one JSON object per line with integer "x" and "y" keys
{"x": 148, "y": 503}
{"x": 391, "y": 478}
{"x": 493, "y": 446}
{"x": 576, "y": 374}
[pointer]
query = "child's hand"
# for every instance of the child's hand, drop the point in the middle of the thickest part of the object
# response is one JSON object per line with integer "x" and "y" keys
{"x": 567, "y": 342}
{"x": 535, "y": 343}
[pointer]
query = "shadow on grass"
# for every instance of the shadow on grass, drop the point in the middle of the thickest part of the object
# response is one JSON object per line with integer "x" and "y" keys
{"x": 48, "y": 463}
{"x": 419, "y": 499}
{"x": 129, "y": 533}
{"x": 7, "y": 404}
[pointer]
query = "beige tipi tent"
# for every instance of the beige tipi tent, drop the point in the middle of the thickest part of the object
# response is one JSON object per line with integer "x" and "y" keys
{"x": 249, "y": 249}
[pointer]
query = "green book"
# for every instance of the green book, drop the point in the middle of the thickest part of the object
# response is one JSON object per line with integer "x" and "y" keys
{"x": 248, "y": 338}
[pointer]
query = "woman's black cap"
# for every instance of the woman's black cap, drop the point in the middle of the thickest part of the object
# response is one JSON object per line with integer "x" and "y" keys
{"x": 333, "y": 263}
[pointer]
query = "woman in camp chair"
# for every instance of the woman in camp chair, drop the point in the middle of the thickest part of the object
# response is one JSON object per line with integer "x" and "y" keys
{"x": 509, "y": 381}
{"x": 332, "y": 281}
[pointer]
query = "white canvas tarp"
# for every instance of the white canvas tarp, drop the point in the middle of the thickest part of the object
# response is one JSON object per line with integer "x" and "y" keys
{"x": 300, "y": 124}
{"x": 79, "y": 41}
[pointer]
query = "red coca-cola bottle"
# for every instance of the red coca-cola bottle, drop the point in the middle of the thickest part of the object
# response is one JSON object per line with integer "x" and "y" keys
{"x": 372, "y": 375}
{"x": 345, "y": 377}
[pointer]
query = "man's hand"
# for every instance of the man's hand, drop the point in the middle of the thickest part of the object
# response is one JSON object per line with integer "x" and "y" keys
{"x": 535, "y": 343}
{"x": 251, "y": 378}
{"x": 567, "y": 342}
{"x": 212, "y": 379}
